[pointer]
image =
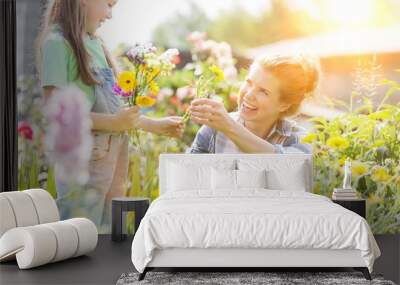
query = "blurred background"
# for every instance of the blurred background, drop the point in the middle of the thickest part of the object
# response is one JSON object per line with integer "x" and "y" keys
{"x": 356, "y": 41}
{"x": 344, "y": 34}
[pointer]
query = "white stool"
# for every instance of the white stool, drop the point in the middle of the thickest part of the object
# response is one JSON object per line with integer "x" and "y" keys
{"x": 31, "y": 232}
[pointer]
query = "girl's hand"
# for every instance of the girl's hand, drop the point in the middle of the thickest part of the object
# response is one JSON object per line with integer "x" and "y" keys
{"x": 127, "y": 118}
{"x": 211, "y": 113}
{"x": 170, "y": 126}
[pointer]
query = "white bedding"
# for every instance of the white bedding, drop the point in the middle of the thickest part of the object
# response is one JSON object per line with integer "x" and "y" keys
{"x": 251, "y": 218}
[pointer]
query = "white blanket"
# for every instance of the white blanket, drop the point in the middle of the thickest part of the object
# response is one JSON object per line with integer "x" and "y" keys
{"x": 252, "y": 218}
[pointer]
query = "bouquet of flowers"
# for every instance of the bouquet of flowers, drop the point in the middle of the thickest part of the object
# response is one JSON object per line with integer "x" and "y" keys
{"x": 137, "y": 85}
{"x": 206, "y": 84}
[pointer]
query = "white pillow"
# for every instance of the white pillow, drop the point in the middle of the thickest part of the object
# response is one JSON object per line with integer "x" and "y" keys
{"x": 251, "y": 178}
{"x": 183, "y": 177}
{"x": 230, "y": 180}
{"x": 293, "y": 180}
{"x": 282, "y": 174}
{"x": 223, "y": 179}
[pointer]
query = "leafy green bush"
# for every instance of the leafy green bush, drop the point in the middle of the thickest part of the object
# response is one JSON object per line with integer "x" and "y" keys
{"x": 372, "y": 140}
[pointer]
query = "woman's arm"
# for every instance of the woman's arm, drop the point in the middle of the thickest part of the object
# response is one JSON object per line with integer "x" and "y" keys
{"x": 203, "y": 142}
{"x": 246, "y": 140}
{"x": 214, "y": 115}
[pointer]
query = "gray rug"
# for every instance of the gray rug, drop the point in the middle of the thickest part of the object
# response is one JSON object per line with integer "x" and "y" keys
{"x": 242, "y": 278}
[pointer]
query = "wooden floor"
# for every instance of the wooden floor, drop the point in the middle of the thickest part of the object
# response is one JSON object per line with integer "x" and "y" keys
{"x": 103, "y": 266}
{"x": 110, "y": 259}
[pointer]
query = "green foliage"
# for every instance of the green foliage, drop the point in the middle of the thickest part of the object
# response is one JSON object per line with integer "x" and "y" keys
{"x": 33, "y": 167}
{"x": 280, "y": 21}
{"x": 173, "y": 32}
{"x": 371, "y": 139}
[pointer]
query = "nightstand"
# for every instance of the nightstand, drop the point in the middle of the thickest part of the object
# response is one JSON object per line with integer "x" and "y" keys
{"x": 120, "y": 206}
{"x": 358, "y": 206}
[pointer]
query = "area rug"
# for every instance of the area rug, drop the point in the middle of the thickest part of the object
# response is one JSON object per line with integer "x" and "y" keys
{"x": 243, "y": 278}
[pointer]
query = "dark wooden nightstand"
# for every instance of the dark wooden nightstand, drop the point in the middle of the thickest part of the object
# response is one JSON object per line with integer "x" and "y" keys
{"x": 358, "y": 206}
{"x": 120, "y": 206}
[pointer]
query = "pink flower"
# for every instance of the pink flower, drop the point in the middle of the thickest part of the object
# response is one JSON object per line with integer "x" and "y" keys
{"x": 25, "y": 130}
{"x": 118, "y": 91}
{"x": 176, "y": 59}
{"x": 184, "y": 92}
{"x": 68, "y": 136}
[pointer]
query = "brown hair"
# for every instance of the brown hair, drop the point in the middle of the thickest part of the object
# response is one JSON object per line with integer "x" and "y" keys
{"x": 70, "y": 16}
{"x": 298, "y": 76}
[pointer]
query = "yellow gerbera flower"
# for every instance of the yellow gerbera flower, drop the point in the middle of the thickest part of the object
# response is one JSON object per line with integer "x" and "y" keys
{"x": 381, "y": 175}
{"x": 127, "y": 81}
{"x": 338, "y": 142}
{"x": 219, "y": 74}
{"x": 359, "y": 168}
{"x": 145, "y": 101}
{"x": 154, "y": 88}
{"x": 309, "y": 138}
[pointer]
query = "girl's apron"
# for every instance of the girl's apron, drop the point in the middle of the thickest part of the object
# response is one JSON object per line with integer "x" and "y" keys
{"x": 108, "y": 166}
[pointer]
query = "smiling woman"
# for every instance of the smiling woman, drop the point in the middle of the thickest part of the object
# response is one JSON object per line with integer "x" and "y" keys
{"x": 274, "y": 90}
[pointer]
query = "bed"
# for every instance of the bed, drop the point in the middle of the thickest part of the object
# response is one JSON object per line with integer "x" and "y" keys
{"x": 247, "y": 210}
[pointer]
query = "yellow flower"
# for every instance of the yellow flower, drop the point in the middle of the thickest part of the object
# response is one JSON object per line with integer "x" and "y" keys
{"x": 145, "y": 101}
{"x": 342, "y": 160}
{"x": 219, "y": 74}
{"x": 154, "y": 88}
{"x": 142, "y": 67}
{"x": 380, "y": 175}
{"x": 380, "y": 115}
{"x": 378, "y": 143}
{"x": 152, "y": 74}
{"x": 359, "y": 168}
{"x": 374, "y": 199}
{"x": 309, "y": 138}
{"x": 338, "y": 142}
{"x": 127, "y": 81}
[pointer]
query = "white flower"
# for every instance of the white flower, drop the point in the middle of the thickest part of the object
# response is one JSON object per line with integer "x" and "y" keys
{"x": 230, "y": 73}
{"x": 164, "y": 93}
{"x": 169, "y": 55}
{"x": 196, "y": 36}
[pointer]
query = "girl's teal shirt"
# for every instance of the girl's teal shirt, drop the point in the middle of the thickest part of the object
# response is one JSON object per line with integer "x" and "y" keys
{"x": 59, "y": 65}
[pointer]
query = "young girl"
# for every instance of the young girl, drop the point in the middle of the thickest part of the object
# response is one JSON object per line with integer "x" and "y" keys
{"x": 69, "y": 52}
{"x": 274, "y": 90}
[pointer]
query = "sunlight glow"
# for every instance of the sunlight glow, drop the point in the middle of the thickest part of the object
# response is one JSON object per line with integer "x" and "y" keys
{"x": 350, "y": 12}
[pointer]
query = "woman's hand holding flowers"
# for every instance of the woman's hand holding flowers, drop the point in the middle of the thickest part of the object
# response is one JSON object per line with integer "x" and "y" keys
{"x": 211, "y": 113}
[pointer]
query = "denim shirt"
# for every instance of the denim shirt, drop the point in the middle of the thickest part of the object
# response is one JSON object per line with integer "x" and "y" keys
{"x": 285, "y": 137}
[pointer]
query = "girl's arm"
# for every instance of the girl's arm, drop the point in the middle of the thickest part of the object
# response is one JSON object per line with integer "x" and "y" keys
{"x": 170, "y": 126}
{"x": 125, "y": 119}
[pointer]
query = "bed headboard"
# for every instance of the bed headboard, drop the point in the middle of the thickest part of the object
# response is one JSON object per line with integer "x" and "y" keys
{"x": 269, "y": 160}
